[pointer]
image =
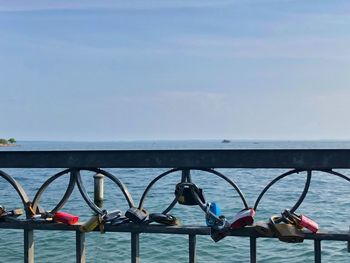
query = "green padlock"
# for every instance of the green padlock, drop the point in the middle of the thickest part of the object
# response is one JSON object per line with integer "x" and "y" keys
{"x": 92, "y": 224}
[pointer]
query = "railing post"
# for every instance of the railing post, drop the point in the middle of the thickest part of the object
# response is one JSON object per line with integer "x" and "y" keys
{"x": 252, "y": 249}
{"x": 135, "y": 248}
{"x": 28, "y": 246}
{"x": 80, "y": 246}
{"x": 317, "y": 245}
{"x": 349, "y": 242}
{"x": 98, "y": 189}
{"x": 192, "y": 248}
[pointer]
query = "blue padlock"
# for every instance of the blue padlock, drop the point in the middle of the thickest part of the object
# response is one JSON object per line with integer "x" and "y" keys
{"x": 214, "y": 209}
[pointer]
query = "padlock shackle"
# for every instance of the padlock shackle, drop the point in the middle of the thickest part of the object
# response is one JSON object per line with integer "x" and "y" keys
{"x": 290, "y": 217}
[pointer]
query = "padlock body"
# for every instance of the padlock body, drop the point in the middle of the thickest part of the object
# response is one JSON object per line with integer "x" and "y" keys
{"x": 136, "y": 215}
{"x": 187, "y": 197}
{"x": 66, "y": 218}
{"x": 90, "y": 225}
{"x": 218, "y": 234}
{"x": 289, "y": 233}
{"x": 243, "y": 218}
{"x": 308, "y": 223}
{"x": 264, "y": 229}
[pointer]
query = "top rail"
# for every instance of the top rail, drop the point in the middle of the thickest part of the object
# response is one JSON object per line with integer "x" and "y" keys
{"x": 242, "y": 158}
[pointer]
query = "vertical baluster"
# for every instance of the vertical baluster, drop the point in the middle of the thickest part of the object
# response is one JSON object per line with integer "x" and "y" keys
{"x": 192, "y": 248}
{"x": 135, "y": 248}
{"x": 80, "y": 246}
{"x": 349, "y": 242}
{"x": 28, "y": 246}
{"x": 252, "y": 249}
{"x": 317, "y": 246}
{"x": 98, "y": 189}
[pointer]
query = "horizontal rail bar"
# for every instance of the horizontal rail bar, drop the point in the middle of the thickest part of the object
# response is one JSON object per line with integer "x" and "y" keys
{"x": 159, "y": 229}
{"x": 249, "y": 158}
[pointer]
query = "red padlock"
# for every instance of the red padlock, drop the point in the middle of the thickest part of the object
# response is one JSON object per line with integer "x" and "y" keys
{"x": 301, "y": 221}
{"x": 243, "y": 218}
{"x": 63, "y": 217}
{"x": 308, "y": 223}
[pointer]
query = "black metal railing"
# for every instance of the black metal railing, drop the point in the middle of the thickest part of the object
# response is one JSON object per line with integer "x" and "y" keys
{"x": 177, "y": 161}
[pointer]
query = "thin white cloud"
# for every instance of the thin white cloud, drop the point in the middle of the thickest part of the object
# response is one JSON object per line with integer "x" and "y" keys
{"x": 268, "y": 47}
{"x": 37, "y": 5}
{"x": 42, "y": 5}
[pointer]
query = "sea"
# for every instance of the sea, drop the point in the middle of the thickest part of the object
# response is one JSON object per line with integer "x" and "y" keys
{"x": 327, "y": 203}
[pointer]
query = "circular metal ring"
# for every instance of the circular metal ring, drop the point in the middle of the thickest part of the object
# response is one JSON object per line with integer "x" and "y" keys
{"x": 76, "y": 178}
{"x": 302, "y": 196}
{"x": 86, "y": 197}
{"x": 173, "y": 203}
{"x": 66, "y": 195}
{"x": 20, "y": 191}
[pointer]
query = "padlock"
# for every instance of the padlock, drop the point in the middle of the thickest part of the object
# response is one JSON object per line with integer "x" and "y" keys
{"x": 41, "y": 219}
{"x": 91, "y": 224}
{"x": 136, "y": 215}
{"x": 212, "y": 209}
{"x": 187, "y": 197}
{"x": 264, "y": 229}
{"x": 301, "y": 221}
{"x": 218, "y": 233}
{"x": 112, "y": 215}
{"x": 243, "y": 218}
{"x": 120, "y": 220}
{"x": 286, "y": 232}
{"x": 15, "y": 212}
{"x": 165, "y": 219}
{"x": 308, "y": 223}
{"x": 66, "y": 218}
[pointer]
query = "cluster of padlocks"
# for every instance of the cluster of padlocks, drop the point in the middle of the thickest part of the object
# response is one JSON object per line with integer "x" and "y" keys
{"x": 288, "y": 226}
{"x": 9, "y": 215}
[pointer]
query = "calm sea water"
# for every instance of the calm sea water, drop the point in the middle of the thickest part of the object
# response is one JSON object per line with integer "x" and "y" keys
{"x": 328, "y": 203}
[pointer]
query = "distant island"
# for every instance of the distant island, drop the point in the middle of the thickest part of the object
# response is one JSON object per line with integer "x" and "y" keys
{"x": 9, "y": 142}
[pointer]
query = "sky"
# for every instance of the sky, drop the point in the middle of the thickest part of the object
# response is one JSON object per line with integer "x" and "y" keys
{"x": 175, "y": 70}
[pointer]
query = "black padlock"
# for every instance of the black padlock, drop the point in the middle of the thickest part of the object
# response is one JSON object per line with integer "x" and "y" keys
{"x": 120, "y": 220}
{"x": 110, "y": 216}
{"x": 136, "y": 215}
{"x": 220, "y": 231}
{"x": 264, "y": 229}
{"x": 164, "y": 219}
{"x": 187, "y": 194}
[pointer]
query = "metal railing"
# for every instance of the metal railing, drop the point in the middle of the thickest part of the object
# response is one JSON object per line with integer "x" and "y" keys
{"x": 183, "y": 161}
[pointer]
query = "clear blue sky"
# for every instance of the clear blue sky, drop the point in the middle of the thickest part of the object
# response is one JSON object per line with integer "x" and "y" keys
{"x": 134, "y": 70}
